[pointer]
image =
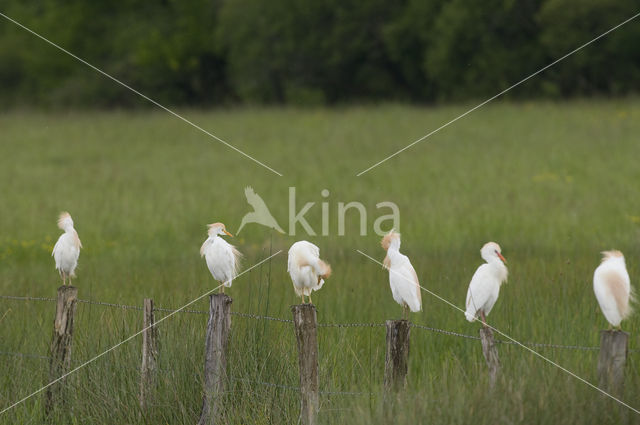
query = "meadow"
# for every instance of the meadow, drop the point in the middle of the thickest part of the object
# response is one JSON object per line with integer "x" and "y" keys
{"x": 553, "y": 183}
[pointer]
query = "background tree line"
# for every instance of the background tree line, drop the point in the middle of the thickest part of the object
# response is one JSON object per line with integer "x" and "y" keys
{"x": 208, "y": 52}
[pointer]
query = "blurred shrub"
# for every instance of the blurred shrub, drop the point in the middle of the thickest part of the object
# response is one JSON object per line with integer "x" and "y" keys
{"x": 207, "y": 52}
{"x": 610, "y": 65}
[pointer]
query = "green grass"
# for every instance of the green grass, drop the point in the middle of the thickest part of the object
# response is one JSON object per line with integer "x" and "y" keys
{"x": 554, "y": 184}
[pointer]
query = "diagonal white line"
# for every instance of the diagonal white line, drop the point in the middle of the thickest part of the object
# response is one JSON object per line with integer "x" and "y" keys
{"x": 497, "y": 95}
{"x": 129, "y": 338}
{"x": 514, "y": 341}
{"x": 175, "y": 114}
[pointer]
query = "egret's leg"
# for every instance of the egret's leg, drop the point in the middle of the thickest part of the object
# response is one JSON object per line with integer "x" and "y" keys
{"x": 64, "y": 279}
{"x": 483, "y": 318}
{"x": 222, "y": 288}
{"x": 69, "y": 280}
{"x": 310, "y": 302}
{"x": 302, "y": 298}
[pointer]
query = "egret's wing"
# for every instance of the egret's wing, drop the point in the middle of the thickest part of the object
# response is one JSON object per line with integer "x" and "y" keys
{"x": 57, "y": 246}
{"x": 386, "y": 263}
{"x": 203, "y": 247}
{"x": 404, "y": 283}
{"x": 417, "y": 283}
{"x": 237, "y": 256}
{"x": 618, "y": 288}
{"x": 479, "y": 289}
{"x": 305, "y": 253}
{"x": 311, "y": 249}
{"x": 76, "y": 239}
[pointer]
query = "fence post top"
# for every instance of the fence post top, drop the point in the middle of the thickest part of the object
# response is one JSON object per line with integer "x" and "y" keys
{"x": 614, "y": 332}
{"x": 297, "y": 307}
{"x": 404, "y": 322}
{"x": 224, "y": 297}
{"x": 68, "y": 288}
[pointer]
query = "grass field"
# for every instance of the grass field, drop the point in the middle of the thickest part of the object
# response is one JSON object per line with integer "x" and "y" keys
{"x": 553, "y": 183}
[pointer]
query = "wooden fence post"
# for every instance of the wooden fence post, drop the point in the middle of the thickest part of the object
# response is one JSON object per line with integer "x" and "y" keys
{"x": 61, "y": 341}
{"x": 149, "y": 354}
{"x": 612, "y": 359}
{"x": 215, "y": 362}
{"x": 490, "y": 352}
{"x": 397, "y": 355}
{"x": 306, "y": 327}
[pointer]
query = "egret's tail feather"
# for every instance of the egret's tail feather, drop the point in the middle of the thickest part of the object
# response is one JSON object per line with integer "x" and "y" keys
{"x": 630, "y": 304}
{"x": 470, "y": 316}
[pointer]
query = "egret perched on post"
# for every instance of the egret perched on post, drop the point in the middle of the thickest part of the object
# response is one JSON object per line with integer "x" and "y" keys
{"x": 67, "y": 249}
{"x": 612, "y": 287}
{"x": 223, "y": 259}
{"x": 485, "y": 284}
{"x": 403, "y": 279}
{"x": 307, "y": 270}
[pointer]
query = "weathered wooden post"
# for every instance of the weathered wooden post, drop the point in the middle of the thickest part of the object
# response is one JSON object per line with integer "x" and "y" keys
{"x": 215, "y": 361}
{"x": 306, "y": 327}
{"x": 149, "y": 354}
{"x": 396, "y": 359}
{"x": 61, "y": 341}
{"x": 612, "y": 359}
{"x": 490, "y": 352}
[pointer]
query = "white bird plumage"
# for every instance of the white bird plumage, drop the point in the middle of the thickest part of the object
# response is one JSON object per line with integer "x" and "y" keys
{"x": 403, "y": 279}
{"x": 612, "y": 287}
{"x": 223, "y": 259}
{"x": 67, "y": 249}
{"x": 306, "y": 269}
{"x": 485, "y": 284}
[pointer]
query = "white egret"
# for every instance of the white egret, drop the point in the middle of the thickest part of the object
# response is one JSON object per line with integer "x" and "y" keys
{"x": 485, "y": 284}
{"x": 223, "y": 259}
{"x": 306, "y": 268}
{"x": 612, "y": 287}
{"x": 403, "y": 279}
{"x": 67, "y": 249}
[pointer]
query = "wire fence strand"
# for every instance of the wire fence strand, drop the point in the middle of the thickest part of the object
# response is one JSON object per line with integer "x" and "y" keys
{"x": 295, "y": 388}
{"x": 321, "y": 325}
{"x": 27, "y": 355}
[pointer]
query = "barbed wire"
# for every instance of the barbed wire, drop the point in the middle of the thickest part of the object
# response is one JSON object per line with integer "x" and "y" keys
{"x": 259, "y": 317}
{"x": 350, "y": 325}
{"x": 12, "y": 297}
{"x": 168, "y": 310}
{"x": 560, "y": 346}
{"x": 16, "y": 354}
{"x": 295, "y": 388}
{"x": 104, "y": 304}
{"x": 353, "y": 393}
{"x": 444, "y": 331}
{"x": 501, "y": 341}
{"x": 321, "y": 325}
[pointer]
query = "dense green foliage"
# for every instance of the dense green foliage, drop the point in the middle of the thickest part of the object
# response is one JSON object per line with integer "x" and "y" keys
{"x": 553, "y": 183}
{"x": 206, "y": 52}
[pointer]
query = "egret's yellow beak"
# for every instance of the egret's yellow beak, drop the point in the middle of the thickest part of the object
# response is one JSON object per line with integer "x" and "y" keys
{"x": 504, "y": 260}
{"x": 224, "y": 230}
